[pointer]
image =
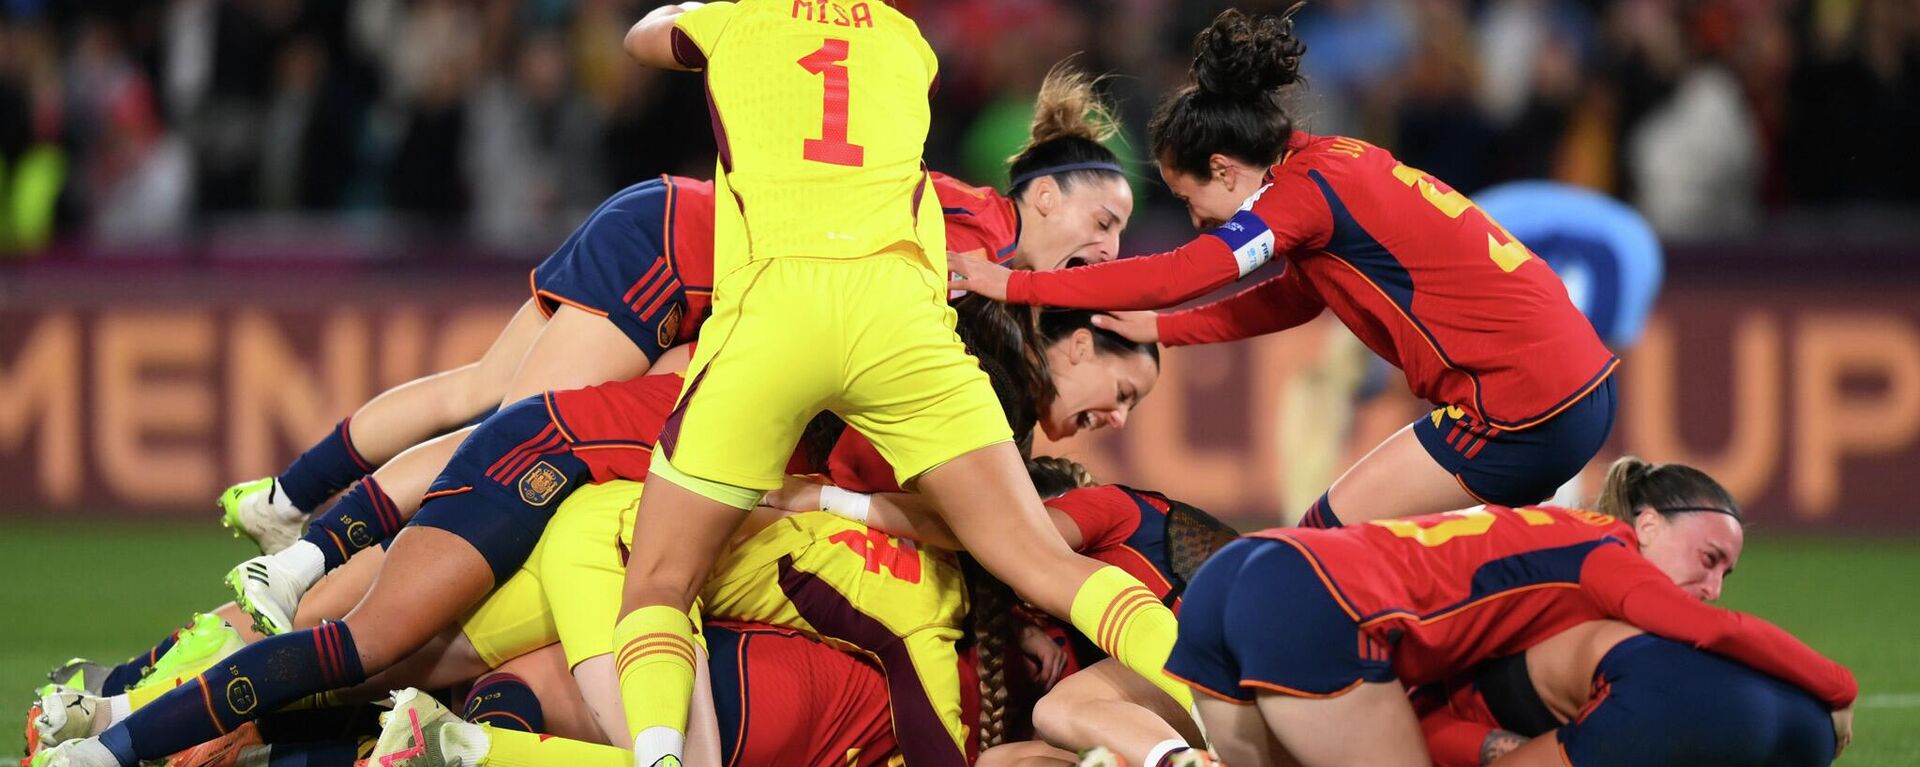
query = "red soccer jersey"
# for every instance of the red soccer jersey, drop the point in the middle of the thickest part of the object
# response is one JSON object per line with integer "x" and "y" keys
{"x": 785, "y": 699}
{"x": 1447, "y": 591}
{"x": 1126, "y": 528}
{"x": 978, "y": 218}
{"x": 612, "y": 426}
{"x": 1413, "y": 268}
{"x": 689, "y": 250}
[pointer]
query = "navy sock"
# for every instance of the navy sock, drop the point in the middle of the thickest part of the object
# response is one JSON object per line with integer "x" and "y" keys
{"x": 363, "y": 517}
{"x": 1321, "y": 515}
{"x": 127, "y": 674}
{"x": 261, "y": 677}
{"x": 328, "y": 466}
{"x": 322, "y": 753}
{"x": 506, "y": 702}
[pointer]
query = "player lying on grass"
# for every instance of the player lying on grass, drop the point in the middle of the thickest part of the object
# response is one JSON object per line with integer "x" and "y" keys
{"x": 1480, "y": 326}
{"x": 636, "y": 278}
{"x": 1288, "y": 630}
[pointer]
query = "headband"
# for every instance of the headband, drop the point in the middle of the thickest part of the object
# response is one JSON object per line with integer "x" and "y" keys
{"x": 1683, "y": 509}
{"x": 1067, "y": 168}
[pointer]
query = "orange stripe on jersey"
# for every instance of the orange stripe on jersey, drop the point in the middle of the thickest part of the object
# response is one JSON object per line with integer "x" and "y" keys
{"x": 1560, "y": 748}
{"x": 207, "y": 698}
{"x": 666, "y": 219}
{"x": 560, "y": 299}
{"x": 1208, "y": 690}
{"x": 1321, "y": 573}
{"x": 1164, "y": 587}
{"x": 1462, "y": 609}
{"x": 1283, "y": 690}
{"x": 553, "y": 414}
{"x": 445, "y": 493}
{"x": 1469, "y": 490}
{"x": 533, "y": 287}
{"x": 1577, "y": 396}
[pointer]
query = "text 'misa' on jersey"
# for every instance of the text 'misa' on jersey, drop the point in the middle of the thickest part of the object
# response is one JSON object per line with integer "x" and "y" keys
{"x": 820, "y": 114}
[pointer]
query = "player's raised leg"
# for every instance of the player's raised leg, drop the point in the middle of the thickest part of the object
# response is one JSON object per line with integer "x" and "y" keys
{"x": 270, "y": 510}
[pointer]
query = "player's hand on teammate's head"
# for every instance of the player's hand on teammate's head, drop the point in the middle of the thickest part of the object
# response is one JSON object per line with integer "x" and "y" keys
{"x": 975, "y": 274}
{"x": 1842, "y": 730}
{"x": 1139, "y": 326}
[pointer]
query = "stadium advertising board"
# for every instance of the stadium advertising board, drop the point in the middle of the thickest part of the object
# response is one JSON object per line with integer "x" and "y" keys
{"x": 1805, "y": 402}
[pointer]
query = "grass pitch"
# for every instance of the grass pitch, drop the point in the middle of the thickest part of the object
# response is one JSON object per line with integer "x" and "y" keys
{"x": 105, "y": 589}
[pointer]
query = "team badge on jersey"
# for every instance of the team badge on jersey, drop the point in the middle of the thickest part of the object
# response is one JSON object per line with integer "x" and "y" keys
{"x": 1249, "y": 239}
{"x": 669, "y": 326}
{"x": 240, "y": 696}
{"x": 541, "y": 483}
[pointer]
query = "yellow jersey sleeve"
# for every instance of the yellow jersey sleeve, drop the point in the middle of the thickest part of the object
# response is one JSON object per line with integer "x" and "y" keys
{"x": 700, "y": 27}
{"x": 820, "y": 116}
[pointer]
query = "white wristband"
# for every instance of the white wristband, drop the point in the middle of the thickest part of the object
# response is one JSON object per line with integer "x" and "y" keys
{"x": 847, "y": 504}
{"x": 1161, "y": 750}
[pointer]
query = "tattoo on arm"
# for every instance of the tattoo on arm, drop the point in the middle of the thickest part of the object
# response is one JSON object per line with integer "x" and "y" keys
{"x": 1498, "y": 744}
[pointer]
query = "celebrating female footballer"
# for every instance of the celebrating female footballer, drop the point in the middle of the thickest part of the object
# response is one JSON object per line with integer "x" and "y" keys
{"x": 1480, "y": 326}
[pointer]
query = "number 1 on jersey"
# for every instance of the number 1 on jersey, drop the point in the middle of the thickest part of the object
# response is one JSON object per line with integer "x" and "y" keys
{"x": 832, "y": 147}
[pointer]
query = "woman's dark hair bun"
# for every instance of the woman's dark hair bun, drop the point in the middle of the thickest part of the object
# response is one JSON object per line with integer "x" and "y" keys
{"x": 1240, "y": 56}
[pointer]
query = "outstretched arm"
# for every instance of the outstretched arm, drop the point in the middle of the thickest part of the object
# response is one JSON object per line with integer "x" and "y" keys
{"x": 1274, "y": 305}
{"x": 907, "y": 515}
{"x": 1630, "y": 588}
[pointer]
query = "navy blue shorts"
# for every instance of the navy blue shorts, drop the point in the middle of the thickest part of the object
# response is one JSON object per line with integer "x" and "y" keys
{"x": 1257, "y": 617}
{"x": 1658, "y": 702}
{"x": 503, "y": 484}
{"x": 617, "y": 265}
{"x": 1518, "y": 468}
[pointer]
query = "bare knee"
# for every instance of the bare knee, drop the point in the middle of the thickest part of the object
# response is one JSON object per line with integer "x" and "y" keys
{"x": 1054, "y": 715}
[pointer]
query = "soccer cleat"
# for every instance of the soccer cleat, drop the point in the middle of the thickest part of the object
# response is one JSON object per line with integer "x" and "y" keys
{"x": 1100, "y": 756}
{"x": 268, "y": 592}
{"x": 80, "y": 674}
{"x": 62, "y": 716}
{"x": 409, "y": 734}
{"x": 234, "y": 749}
{"x": 204, "y": 642}
{"x": 80, "y": 753}
{"x": 262, "y": 513}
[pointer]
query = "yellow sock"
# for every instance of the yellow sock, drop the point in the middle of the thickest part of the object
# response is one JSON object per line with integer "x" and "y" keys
{"x": 653, "y": 655}
{"x": 510, "y": 748}
{"x": 1127, "y": 621}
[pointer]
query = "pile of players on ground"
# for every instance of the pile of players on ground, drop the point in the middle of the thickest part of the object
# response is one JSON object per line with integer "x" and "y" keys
{"x": 465, "y": 598}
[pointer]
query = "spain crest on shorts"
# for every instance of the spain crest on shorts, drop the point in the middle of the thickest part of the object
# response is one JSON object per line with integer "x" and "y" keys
{"x": 670, "y": 326}
{"x": 541, "y": 483}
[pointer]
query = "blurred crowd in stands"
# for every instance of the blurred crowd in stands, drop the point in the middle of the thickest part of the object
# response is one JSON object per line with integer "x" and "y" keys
{"x": 505, "y": 121}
